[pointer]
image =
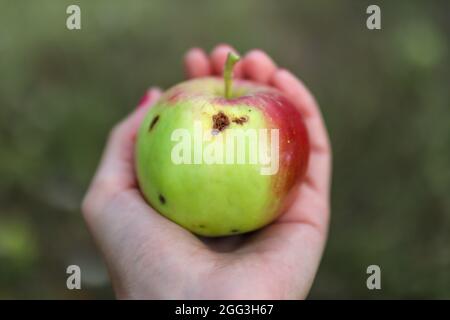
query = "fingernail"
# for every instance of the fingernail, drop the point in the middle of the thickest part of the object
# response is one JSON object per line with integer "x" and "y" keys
{"x": 144, "y": 100}
{"x": 148, "y": 96}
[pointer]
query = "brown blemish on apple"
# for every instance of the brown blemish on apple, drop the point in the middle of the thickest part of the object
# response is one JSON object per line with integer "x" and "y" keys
{"x": 154, "y": 121}
{"x": 220, "y": 121}
{"x": 240, "y": 120}
{"x": 162, "y": 199}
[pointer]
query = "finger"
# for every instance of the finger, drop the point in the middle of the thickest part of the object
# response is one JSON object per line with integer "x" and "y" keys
{"x": 218, "y": 57}
{"x": 116, "y": 170}
{"x": 291, "y": 86}
{"x": 320, "y": 162}
{"x": 196, "y": 63}
{"x": 258, "y": 66}
{"x": 150, "y": 97}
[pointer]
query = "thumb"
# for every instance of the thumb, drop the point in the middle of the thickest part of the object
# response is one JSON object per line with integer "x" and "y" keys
{"x": 115, "y": 171}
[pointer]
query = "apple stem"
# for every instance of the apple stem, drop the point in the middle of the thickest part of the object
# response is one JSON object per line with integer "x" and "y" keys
{"x": 232, "y": 58}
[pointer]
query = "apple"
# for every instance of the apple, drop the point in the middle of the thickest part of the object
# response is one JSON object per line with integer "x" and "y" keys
{"x": 220, "y": 156}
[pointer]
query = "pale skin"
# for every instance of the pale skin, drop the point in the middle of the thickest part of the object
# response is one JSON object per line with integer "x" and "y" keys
{"x": 150, "y": 257}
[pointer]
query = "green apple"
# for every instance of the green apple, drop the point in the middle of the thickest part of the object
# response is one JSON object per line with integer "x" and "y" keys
{"x": 220, "y": 157}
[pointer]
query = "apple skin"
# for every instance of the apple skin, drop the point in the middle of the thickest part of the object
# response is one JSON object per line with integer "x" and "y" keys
{"x": 220, "y": 199}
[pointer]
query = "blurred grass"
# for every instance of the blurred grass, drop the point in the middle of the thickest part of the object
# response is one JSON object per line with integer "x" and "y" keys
{"x": 384, "y": 95}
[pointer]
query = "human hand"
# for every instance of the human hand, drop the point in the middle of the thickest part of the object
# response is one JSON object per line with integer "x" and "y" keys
{"x": 150, "y": 257}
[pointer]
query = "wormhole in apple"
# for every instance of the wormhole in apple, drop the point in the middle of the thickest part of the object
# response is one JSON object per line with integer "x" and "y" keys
{"x": 240, "y": 120}
{"x": 220, "y": 121}
{"x": 162, "y": 199}
{"x": 154, "y": 121}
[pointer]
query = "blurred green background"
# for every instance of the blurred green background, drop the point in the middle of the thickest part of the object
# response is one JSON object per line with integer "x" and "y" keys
{"x": 384, "y": 96}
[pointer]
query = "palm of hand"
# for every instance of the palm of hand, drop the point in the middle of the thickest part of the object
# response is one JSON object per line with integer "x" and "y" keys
{"x": 148, "y": 256}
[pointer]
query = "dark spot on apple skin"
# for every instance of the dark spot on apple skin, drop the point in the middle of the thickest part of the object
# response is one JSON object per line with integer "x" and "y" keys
{"x": 201, "y": 226}
{"x": 162, "y": 199}
{"x": 220, "y": 121}
{"x": 240, "y": 120}
{"x": 154, "y": 121}
{"x": 234, "y": 230}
